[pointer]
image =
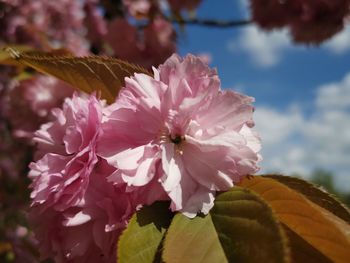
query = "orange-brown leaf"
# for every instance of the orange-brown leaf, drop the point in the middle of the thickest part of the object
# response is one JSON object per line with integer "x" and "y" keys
{"x": 302, "y": 251}
{"x": 320, "y": 228}
{"x": 315, "y": 195}
{"x": 88, "y": 74}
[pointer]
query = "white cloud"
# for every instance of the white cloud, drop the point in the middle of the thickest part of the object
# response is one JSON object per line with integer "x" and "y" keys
{"x": 340, "y": 43}
{"x": 284, "y": 124}
{"x": 294, "y": 143}
{"x": 334, "y": 95}
{"x": 264, "y": 48}
{"x": 278, "y": 131}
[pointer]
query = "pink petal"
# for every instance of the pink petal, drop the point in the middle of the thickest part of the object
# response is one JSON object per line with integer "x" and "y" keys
{"x": 171, "y": 167}
{"x": 78, "y": 219}
{"x": 200, "y": 201}
{"x": 128, "y": 159}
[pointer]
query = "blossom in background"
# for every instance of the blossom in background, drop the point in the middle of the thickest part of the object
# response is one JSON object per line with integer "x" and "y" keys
{"x": 178, "y": 5}
{"x": 13, "y": 154}
{"x": 159, "y": 41}
{"x": 309, "y": 21}
{"x": 42, "y": 23}
{"x": 95, "y": 25}
{"x": 178, "y": 131}
{"x": 140, "y": 8}
{"x": 27, "y": 103}
{"x": 146, "y": 45}
{"x": 152, "y": 47}
{"x": 144, "y": 8}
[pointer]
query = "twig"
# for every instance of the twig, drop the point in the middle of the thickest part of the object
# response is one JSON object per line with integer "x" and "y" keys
{"x": 209, "y": 22}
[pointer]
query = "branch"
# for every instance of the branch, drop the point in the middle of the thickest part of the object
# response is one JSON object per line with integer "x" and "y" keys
{"x": 209, "y": 22}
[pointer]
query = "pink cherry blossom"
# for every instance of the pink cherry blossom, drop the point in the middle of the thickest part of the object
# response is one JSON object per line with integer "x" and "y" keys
{"x": 27, "y": 104}
{"x": 66, "y": 147}
{"x": 189, "y": 5}
{"x": 138, "y": 8}
{"x": 159, "y": 42}
{"x": 76, "y": 214}
{"x": 309, "y": 21}
{"x": 88, "y": 232}
{"x": 95, "y": 24}
{"x": 177, "y": 131}
{"x": 151, "y": 47}
{"x": 25, "y": 22}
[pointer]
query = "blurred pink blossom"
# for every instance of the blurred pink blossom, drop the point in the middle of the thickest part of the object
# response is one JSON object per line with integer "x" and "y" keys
{"x": 123, "y": 38}
{"x": 148, "y": 47}
{"x": 138, "y": 8}
{"x": 28, "y": 103}
{"x": 41, "y": 23}
{"x": 95, "y": 24}
{"x": 310, "y": 21}
{"x": 180, "y": 132}
{"x": 189, "y": 5}
{"x": 14, "y": 155}
{"x": 144, "y": 8}
{"x": 159, "y": 39}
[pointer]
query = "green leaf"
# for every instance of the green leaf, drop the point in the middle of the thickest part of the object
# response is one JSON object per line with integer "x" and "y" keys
{"x": 192, "y": 240}
{"x": 141, "y": 241}
{"x": 320, "y": 228}
{"x": 240, "y": 228}
{"x": 314, "y": 194}
{"x": 88, "y": 74}
{"x": 248, "y": 229}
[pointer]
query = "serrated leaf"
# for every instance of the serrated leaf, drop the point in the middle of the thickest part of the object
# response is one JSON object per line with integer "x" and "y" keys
{"x": 240, "y": 228}
{"x": 6, "y": 57}
{"x": 326, "y": 232}
{"x": 314, "y": 194}
{"x": 248, "y": 229}
{"x": 141, "y": 241}
{"x": 88, "y": 74}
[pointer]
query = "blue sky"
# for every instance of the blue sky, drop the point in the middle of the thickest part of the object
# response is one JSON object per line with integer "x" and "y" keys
{"x": 302, "y": 93}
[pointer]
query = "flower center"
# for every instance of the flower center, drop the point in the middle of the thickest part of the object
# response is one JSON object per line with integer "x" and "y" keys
{"x": 177, "y": 139}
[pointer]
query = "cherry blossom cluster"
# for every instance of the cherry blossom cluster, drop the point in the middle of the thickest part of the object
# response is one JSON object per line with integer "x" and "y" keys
{"x": 26, "y": 99}
{"x": 42, "y": 23}
{"x": 81, "y": 27}
{"x": 309, "y": 21}
{"x": 174, "y": 136}
{"x": 143, "y": 35}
